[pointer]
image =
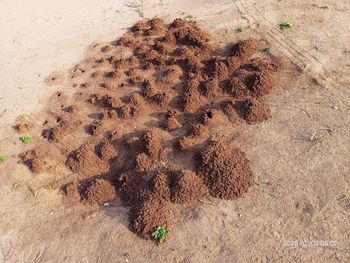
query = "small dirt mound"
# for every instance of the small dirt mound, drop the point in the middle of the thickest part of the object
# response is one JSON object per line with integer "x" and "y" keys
{"x": 245, "y": 49}
{"x": 99, "y": 191}
{"x": 23, "y": 127}
{"x": 86, "y": 162}
{"x": 148, "y": 215}
{"x": 171, "y": 123}
{"x": 225, "y": 171}
{"x": 34, "y": 160}
{"x": 196, "y": 134}
{"x": 255, "y": 110}
{"x": 66, "y": 125}
{"x": 153, "y": 143}
{"x": 160, "y": 185}
{"x": 132, "y": 187}
{"x": 187, "y": 187}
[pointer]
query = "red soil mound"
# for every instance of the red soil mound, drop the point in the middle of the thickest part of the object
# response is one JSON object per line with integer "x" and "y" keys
{"x": 34, "y": 160}
{"x": 225, "y": 171}
{"x": 148, "y": 215}
{"x": 245, "y": 49}
{"x": 171, "y": 123}
{"x": 99, "y": 191}
{"x": 160, "y": 186}
{"x": 65, "y": 126}
{"x": 187, "y": 187}
{"x": 86, "y": 162}
{"x": 255, "y": 110}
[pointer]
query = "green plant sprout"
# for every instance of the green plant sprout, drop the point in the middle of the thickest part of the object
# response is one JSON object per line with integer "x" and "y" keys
{"x": 189, "y": 16}
{"x": 267, "y": 49}
{"x": 2, "y": 158}
{"x": 285, "y": 25}
{"x": 127, "y": 256}
{"x": 239, "y": 29}
{"x": 159, "y": 234}
{"x": 26, "y": 139}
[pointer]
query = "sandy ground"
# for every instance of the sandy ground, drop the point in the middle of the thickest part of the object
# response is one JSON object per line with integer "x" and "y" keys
{"x": 300, "y": 155}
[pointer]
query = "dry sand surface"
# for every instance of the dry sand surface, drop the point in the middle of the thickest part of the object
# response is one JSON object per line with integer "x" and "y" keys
{"x": 294, "y": 142}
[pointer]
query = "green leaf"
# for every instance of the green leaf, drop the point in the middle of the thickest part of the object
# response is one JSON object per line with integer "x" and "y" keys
{"x": 267, "y": 49}
{"x": 159, "y": 234}
{"x": 26, "y": 139}
{"x": 239, "y": 29}
{"x": 2, "y": 158}
{"x": 285, "y": 25}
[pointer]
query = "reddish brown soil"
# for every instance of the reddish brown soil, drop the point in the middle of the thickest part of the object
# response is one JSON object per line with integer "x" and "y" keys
{"x": 65, "y": 126}
{"x": 145, "y": 216}
{"x": 23, "y": 127}
{"x": 99, "y": 191}
{"x": 34, "y": 160}
{"x": 136, "y": 116}
{"x": 91, "y": 192}
{"x": 85, "y": 161}
{"x": 187, "y": 187}
{"x": 225, "y": 170}
{"x": 255, "y": 110}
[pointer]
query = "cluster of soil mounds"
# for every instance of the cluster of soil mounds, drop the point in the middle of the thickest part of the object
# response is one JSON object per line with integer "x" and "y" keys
{"x": 146, "y": 107}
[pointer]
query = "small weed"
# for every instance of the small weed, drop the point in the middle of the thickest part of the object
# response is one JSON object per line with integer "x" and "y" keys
{"x": 285, "y": 25}
{"x": 2, "y": 158}
{"x": 189, "y": 16}
{"x": 26, "y": 139}
{"x": 126, "y": 255}
{"x": 324, "y": 7}
{"x": 267, "y": 49}
{"x": 159, "y": 234}
{"x": 239, "y": 29}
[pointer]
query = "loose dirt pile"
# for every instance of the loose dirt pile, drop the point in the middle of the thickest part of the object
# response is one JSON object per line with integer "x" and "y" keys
{"x": 138, "y": 118}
